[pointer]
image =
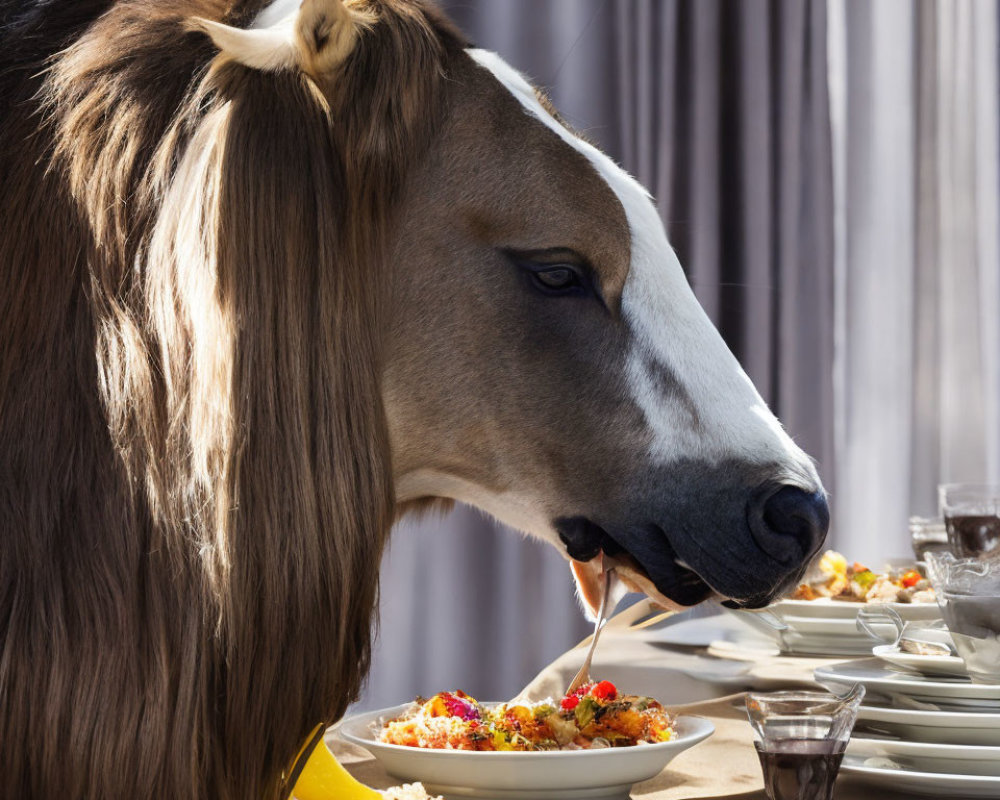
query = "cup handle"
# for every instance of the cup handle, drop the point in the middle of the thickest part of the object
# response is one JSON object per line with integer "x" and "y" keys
{"x": 867, "y": 617}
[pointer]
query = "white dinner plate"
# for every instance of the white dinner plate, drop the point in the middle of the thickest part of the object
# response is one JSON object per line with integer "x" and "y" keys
{"x": 815, "y": 635}
{"x": 606, "y": 774}
{"x": 959, "y": 759}
{"x": 844, "y": 609}
{"x": 943, "y": 727}
{"x": 882, "y": 679}
{"x": 704, "y": 631}
{"x": 829, "y": 627}
{"x": 930, "y": 666}
{"x": 934, "y": 784}
{"x": 835, "y": 627}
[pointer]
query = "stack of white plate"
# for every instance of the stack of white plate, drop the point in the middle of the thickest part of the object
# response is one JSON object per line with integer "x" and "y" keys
{"x": 828, "y": 627}
{"x": 924, "y": 728}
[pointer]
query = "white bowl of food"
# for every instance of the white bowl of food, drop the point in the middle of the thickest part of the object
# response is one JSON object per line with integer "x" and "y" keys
{"x": 553, "y": 761}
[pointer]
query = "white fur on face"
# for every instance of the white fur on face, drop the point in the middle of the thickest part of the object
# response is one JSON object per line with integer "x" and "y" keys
{"x": 671, "y": 334}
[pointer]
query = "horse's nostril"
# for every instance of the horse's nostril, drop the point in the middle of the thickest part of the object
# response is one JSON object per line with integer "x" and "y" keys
{"x": 790, "y": 523}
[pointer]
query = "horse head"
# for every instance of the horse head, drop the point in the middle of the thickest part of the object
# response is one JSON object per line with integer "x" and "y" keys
{"x": 550, "y": 364}
{"x": 544, "y": 358}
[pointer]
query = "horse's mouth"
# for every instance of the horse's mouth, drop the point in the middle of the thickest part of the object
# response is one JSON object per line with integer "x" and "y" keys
{"x": 680, "y": 590}
{"x": 655, "y": 568}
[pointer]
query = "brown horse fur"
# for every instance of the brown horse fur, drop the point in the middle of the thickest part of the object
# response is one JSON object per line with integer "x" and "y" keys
{"x": 195, "y": 485}
{"x": 263, "y": 288}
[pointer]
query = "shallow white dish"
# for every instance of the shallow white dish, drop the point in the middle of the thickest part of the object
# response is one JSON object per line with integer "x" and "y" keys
{"x": 829, "y": 627}
{"x": 835, "y": 627}
{"x": 815, "y": 635}
{"x": 843, "y": 609}
{"x": 882, "y": 679}
{"x": 925, "y": 665}
{"x": 704, "y": 631}
{"x": 943, "y": 727}
{"x": 933, "y": 784}
{"x": 959, "y": 759}
{"x": 557, "y": 775}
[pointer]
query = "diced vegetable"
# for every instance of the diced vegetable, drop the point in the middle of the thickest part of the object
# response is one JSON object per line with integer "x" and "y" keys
{"x": 911, "y": 578}
{"x": 569, "y": 702}
{"x": 865, "y": 578}
{"x": 585, "y": 710}
{"x": 605, "y": 690}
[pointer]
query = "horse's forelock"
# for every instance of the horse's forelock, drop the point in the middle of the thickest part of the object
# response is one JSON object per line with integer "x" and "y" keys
{"x": 239, "y": 226}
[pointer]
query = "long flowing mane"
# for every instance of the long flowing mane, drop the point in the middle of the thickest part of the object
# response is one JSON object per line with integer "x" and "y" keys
{"x": 195, "y": 484}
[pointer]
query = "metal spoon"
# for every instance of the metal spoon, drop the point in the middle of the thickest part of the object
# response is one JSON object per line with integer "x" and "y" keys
{"x": 583, "y": 676}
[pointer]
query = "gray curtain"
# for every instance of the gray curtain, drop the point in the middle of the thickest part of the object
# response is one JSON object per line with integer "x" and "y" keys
{"x": 914, "y": 89}
{"x": 720, "y": 109}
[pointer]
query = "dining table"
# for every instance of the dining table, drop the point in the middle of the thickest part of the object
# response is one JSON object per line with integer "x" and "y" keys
{"x": 694, "y": 668}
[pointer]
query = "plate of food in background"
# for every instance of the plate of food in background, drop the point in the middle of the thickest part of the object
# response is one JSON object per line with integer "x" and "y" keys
{"x": 820, "y": 616}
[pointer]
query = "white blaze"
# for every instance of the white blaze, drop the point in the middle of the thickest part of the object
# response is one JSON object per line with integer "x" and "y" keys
{"x": 671, "y": 330}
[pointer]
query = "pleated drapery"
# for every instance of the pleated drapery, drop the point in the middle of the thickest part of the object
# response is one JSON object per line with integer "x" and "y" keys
{"x": 914, "y": 88}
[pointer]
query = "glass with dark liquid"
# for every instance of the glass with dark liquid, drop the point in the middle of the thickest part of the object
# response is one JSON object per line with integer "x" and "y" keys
{"x": 800, "y": 769}
{"x": 800, "y": 738}
{"x": 972, "y": 518}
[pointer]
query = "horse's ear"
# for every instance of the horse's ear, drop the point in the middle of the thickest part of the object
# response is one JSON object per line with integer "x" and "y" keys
{"x": 315, "y": 39}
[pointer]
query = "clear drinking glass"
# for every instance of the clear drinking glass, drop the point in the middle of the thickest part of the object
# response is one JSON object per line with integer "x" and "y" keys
{"x": 800, "y": 738}
{"x": 928, "y": 536}
{"x": 968, "y": 592}
{"x": 971, "y": 516}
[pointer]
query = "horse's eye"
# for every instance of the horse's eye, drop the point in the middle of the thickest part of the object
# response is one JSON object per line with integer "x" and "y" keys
{"x": 558, "y": 279}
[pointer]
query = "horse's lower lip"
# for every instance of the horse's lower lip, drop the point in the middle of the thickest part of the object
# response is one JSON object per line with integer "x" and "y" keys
{"x": 677, "y": 590}
{"x": 750, "y": 603}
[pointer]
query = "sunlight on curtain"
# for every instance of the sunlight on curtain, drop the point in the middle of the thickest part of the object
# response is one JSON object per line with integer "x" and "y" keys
{"x": 914, "y": 91}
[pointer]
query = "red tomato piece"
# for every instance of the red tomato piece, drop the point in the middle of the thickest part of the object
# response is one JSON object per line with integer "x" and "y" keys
{"x": 570, "y": 701}
{"x": 910, "y": 578}
{"x": 605, "y": 690}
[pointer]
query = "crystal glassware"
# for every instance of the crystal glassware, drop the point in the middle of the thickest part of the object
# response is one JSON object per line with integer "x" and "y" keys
{"x": 800, "y": 739}
{"x": 928, "y": 535}
{"x": 968, "y": 593}
{"x": 971, "y": 516}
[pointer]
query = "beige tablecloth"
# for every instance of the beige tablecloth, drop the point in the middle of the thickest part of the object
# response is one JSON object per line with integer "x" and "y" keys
{"x": 725, "y": 765}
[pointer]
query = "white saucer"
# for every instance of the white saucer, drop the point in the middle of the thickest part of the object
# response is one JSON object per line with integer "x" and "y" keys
{"x": 877, "y": 677}
{"x": 934, "y": 784}
{"x": 958, "y": 759}
{"x": 944, "y": 727}
{"x": 930, "y": 666}
{"x": 553, "y": 775}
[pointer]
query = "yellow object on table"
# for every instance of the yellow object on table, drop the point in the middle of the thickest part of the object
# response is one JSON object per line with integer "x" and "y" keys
{"x": 323, "y": 778}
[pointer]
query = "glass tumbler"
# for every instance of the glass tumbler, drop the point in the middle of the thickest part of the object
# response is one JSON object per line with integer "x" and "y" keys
{"x": 928, "y": 536}
{"x": 971, "y": 516}
{"x": 968, "y": 592}
{"x": 800, "y": 739}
